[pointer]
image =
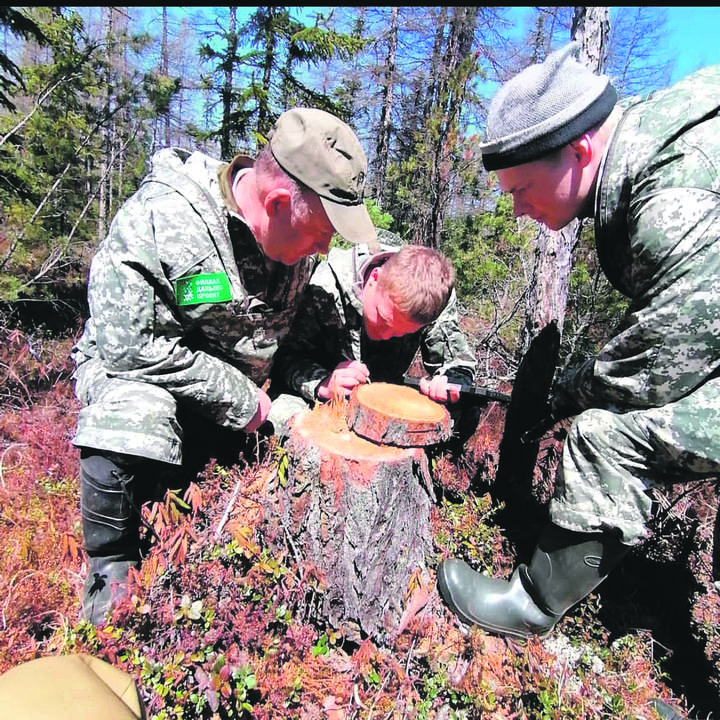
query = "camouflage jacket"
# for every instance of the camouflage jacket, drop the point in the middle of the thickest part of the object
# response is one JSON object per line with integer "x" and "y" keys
{"x": 329, "y": 329}
{"x": 182, "y": 297}
{"x": 657, "y": 231}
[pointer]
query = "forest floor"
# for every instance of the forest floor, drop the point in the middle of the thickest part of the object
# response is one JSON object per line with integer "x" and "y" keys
{"x": 223, "y": 623}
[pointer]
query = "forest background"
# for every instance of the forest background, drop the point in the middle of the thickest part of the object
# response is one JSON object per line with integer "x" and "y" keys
{"x": 87, "y": 95}
{"x": 109, "y": 86}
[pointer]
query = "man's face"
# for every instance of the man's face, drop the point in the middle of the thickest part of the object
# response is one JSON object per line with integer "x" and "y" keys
{"x": 545, "y": 190}
{"x": 296, "y": 233}
{"x": 382, "y": 318}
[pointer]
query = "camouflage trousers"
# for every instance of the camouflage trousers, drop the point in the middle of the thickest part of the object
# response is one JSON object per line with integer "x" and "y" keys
{"x": 146, "y": 421}
{"x": 611, "y": 461}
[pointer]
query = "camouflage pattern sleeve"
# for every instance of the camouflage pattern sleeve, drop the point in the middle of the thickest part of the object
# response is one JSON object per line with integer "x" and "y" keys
{"x": 325, "y": 331}
{"x": 137, "y": 332}
{"x": 657, "y": 228}
{"x": 445, "y": 349}
{"x": 669, "y": 340}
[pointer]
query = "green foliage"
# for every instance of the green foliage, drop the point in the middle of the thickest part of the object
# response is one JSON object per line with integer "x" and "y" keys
{"x": 434, "y": 152}
{"x": 313, "y": 44}
{"x": 255, "y": 85}
{"x": 379, "y": 219}
{"x": 487, "y": 251}
{"x": 160, "y": 91}
{"x": 491, "y": 256}
{"x": 50, "y": 169}
{"x": 11, "y": 78}
{"x": 463, "y": 529}
{"x": 436, "y": 687}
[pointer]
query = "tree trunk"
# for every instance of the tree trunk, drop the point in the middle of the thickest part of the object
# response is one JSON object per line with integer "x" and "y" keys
{"x": 107, "y": 145}
{"x": 547, "y": 294}
{"x": 226, "y": 149}
{"x": 397, "y": 415}
{"x": 359, "y": 512}
{"x": 165, "y": 72}
{"x": 388, "y": 91}
{"x": 446, "y": 92}
{"x": 591, "y": 28}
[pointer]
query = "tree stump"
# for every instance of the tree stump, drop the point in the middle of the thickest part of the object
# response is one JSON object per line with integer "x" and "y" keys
{"x": 397, "y": 415}
{"x": 359, "y": 511}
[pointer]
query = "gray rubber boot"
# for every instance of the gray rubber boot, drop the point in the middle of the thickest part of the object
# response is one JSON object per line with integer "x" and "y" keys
{"x": 666, "y": 711}
{"x": 110, "y": 529}
{"x": 565, "y": 568}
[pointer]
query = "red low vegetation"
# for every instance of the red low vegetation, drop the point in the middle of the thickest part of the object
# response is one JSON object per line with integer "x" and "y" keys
{"x": 218, "y": 625}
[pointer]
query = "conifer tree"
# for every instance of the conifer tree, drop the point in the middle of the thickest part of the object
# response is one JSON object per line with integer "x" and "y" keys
{"x": 59, "y": 152}
{"x": 269, "y": 51}
{"x": 423, "y": 177}
{"x": 11, "y": 78}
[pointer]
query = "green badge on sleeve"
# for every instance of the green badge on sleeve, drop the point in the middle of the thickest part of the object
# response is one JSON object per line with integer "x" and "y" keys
{"x": 203, "y": 288}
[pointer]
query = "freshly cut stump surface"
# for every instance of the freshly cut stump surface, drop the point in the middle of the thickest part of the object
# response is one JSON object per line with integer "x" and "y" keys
{"x": 397, "y": 415}
{"x": 360, "y": 513}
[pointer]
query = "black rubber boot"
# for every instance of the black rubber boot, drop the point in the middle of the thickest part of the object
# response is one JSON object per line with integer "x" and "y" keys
{"x": 110, "y": 528}
{"x": 565, "y": 568}
{"x": 105, "y": 586}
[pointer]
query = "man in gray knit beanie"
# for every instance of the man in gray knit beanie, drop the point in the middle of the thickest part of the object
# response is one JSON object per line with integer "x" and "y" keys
{"x": 546, "y": 106}
{"x": 546, "y": 132}
{"x": 647, "y": 408}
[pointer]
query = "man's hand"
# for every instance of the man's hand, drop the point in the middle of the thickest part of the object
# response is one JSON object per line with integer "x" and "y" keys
{"x": 343, "y": 379}
{"x": 264, "y": 403}
{"x": 438, "y": 388}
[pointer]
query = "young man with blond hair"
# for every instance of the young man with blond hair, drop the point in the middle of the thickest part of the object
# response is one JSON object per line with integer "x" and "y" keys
{"x": 364, "y": 317}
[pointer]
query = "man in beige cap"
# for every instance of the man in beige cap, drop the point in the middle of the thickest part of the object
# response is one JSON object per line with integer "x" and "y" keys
{"x": 190, "y": 294}
{"x": 647, "y": 407}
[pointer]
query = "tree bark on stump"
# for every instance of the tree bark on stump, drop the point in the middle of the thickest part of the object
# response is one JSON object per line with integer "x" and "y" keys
{"x": 360, "y": 513}
{"x": 397, "y": 415}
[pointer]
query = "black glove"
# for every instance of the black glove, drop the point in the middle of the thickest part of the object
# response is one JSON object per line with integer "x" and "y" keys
{"x": 561, "y": 404}
{"x": 536, "y": 431}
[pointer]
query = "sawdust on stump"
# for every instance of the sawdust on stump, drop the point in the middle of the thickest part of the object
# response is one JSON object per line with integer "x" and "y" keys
{"x": 397, "y": 415}
{"x": 359, "y": 512}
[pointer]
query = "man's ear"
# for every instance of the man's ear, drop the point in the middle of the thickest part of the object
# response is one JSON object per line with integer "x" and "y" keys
{"x": 583, "y": 149}
{"x": 277, "y": 201}
{"x": 373, "y": 275}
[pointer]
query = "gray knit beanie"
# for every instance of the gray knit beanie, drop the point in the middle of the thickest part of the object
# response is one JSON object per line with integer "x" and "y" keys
{"x": 546, "y": 106}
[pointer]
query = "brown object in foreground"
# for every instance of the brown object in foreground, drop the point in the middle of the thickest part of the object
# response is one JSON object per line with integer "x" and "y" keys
{"x": 360, "y": 513}
{"x": 397, "y": 415}
{"x": 65, "y": 687}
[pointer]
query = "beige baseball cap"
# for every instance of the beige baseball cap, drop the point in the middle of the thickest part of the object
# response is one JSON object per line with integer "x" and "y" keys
{"x": 322, "y": 152}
